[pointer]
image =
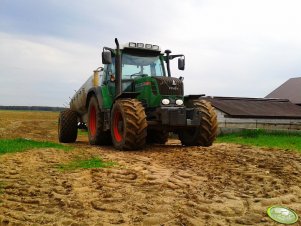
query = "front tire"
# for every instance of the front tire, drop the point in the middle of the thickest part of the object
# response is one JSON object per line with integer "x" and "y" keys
{"x": 96, "y": 134}
{"x": 67, "y": 126}
{"x": 206, "y": 132}
{"x": 128, "y": 124}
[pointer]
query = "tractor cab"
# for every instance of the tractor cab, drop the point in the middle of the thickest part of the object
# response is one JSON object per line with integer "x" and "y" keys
{"x": 132, "y": 66}
{"x": 135, "y": 64}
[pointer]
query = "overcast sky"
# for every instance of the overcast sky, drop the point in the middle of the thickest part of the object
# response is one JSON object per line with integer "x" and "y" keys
{"x": 244, "y": 48}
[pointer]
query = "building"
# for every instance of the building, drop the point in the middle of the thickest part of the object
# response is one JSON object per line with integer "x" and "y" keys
{"x": 290, "y": 90}
{"x": 236, "y": 113}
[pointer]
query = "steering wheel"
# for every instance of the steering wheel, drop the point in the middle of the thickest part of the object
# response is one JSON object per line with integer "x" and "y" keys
{"x": 138, "y": 74}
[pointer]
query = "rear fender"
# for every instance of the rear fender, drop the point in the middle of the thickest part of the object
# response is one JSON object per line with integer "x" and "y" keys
{"x": 132, "y": 95}
{"x": 96, "y": 92}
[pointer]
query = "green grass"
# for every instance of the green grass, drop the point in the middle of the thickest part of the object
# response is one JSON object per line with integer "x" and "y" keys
{"x": 85, "y": 164}
{"x": 261, "y": 138}
{"x": 82, "y": 132}
{"x": 20, "y": 144}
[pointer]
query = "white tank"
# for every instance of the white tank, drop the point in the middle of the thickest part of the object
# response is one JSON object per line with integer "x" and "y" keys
{"x": 78, "y": 101}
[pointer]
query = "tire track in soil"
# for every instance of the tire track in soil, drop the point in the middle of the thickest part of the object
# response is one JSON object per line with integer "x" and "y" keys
{"x": 171, "y": 185}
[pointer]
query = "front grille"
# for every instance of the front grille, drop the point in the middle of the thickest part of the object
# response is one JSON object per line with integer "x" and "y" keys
{"x": 170, "y": 86}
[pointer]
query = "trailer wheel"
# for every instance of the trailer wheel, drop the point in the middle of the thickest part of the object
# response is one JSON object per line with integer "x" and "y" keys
{"x": 95, "y": 125}
{"x": 157, "y": 136}
{"x": 128, "y": 124}
{"x": 205, "y": 134}
{"x": 67, "y": 126}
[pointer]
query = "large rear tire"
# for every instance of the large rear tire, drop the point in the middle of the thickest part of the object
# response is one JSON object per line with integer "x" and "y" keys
{"x": 205, "y": 134}
{"x": 157, "y": 136}
{"x": 128, "y": 124}
{"x": 96, "y": 134}
{"x": 67, "y": 126}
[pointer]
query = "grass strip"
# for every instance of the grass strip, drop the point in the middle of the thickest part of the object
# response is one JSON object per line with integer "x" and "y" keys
{"x": 21, "y": 144}
{"x": 85, "y": 164}
{"x": 82, "y": 132}
{"x": 262, "y": 138}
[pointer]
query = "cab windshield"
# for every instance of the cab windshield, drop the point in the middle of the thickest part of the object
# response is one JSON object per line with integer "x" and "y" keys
{"x": 137, "y": 65}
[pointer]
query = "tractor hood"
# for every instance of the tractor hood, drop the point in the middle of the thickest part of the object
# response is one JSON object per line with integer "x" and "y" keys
{"x": 169, "y": 85}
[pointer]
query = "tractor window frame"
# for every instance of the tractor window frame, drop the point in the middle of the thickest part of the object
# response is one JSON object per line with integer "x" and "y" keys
{"x": 157, "y": 71}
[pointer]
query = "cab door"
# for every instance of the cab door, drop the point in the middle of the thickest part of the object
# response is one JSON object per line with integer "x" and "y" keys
{"x": 109, "y": 78}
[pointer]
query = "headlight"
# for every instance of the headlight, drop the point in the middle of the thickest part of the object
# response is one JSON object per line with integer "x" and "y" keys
{"x": 165, "y": 101}
{"x": 179, "y": 102}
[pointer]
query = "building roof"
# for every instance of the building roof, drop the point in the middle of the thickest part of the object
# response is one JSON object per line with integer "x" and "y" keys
{"x": 239, "y": 107}
{"x": 290, "y": 90}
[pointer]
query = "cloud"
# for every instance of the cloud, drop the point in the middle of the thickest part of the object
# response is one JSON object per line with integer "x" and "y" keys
{"x": 42, "y": 72}
{"x": 233, "y": 48}
{"x": 240, "y": 48}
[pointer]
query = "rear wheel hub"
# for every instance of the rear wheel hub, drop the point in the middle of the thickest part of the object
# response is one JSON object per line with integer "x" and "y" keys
{"x": 118, "y": 126}
{"x": 92, "y": 121}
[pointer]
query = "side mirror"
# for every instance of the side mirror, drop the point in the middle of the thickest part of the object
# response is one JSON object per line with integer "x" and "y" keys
{"x": 181, "y": 63}
{"x": 106, "y": 57}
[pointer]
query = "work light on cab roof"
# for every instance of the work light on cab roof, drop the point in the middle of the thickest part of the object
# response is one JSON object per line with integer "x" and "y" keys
{"x": 142, "y": 46}
{"x": 133, "y": 99}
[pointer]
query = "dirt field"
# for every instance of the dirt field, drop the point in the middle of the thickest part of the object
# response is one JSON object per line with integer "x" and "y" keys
{"x": 161, "y": 185}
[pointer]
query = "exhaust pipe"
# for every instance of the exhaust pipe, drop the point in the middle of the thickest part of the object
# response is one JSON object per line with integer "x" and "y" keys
{"x": 168, "y": 52}
{"x": 118, "y": 69}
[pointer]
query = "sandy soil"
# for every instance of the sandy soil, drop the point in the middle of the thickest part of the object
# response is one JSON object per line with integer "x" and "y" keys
{"x": 161, "y": 185}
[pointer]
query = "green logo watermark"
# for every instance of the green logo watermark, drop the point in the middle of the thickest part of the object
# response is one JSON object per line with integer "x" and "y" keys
{"x": 282, "y": 215}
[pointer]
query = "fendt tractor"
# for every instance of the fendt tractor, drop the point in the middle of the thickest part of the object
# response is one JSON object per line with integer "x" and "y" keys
{"x": 133, "y": 100}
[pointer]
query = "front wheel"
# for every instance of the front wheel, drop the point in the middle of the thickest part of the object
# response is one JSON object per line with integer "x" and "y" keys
{"x": 205, "y": 133}
{"x": 128, "y": 124}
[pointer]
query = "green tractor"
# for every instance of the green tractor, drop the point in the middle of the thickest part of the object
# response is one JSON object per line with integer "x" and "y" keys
{"x": 133, "y": 100}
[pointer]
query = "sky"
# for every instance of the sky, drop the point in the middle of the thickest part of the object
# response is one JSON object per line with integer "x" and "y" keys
{"x": 240, "y": 48}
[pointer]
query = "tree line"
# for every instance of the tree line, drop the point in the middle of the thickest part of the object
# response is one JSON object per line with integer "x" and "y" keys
{"x": 31, "y": 108}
